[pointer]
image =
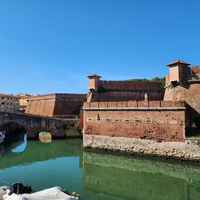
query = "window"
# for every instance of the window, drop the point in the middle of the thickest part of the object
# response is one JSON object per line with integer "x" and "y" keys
{"x": 149, "y": 121}
{"x": 137, "y": 121}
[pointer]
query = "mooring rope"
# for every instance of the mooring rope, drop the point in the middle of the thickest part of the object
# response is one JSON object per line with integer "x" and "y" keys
{"x": 5, "y": 182}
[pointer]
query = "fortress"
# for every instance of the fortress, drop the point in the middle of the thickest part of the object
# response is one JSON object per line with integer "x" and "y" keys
{"x": 138, "y": 117}
{"x": 141, "y": 117}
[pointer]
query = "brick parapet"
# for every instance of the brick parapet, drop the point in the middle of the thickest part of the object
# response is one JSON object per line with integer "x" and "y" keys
{"x": 57, "y": 96}
{"x": 136, "y": 104}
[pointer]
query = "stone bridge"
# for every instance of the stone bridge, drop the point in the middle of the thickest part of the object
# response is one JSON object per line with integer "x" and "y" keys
{"x": 33, "y": 124}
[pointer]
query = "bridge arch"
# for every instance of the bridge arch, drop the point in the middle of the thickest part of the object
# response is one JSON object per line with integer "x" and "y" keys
{"x": 34, "y": 124}
{"x": 14, "y": 132}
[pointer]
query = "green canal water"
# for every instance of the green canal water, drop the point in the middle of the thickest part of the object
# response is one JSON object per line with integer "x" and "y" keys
{"x": 98, "y": 175}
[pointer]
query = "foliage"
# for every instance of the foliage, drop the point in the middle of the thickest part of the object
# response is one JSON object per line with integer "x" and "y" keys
{"x": 155, "y": 79}
{"x": 139, "y": 80}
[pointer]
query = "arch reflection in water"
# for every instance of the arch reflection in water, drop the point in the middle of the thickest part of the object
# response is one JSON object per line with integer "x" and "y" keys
{"x": 118, "y": 177}
{"x": 20, "y": 146}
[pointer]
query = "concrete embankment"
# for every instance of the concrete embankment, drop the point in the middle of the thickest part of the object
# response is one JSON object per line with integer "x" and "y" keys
{"x": 188, "y": 150}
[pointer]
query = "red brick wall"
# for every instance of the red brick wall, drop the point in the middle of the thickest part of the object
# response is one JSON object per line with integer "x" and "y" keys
{"x": 127, "y": 90}
{"x": 43, "y": 107}
{"x": 131, "y": 85}
{"x": 67, "y": 108}
{"x": 191, "y": 94}
{"x": 60, "y": 105}
{"x": 196, "y": 71}
{"x": 165, "y": 122}
{"x": 126, "y": 95}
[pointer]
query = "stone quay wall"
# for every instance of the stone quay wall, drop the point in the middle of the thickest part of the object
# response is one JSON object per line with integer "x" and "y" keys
{"x": 188, "y": 150}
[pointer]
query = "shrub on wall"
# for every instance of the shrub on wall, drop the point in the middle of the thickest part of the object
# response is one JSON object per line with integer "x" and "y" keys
{"x": 155, "y": 79}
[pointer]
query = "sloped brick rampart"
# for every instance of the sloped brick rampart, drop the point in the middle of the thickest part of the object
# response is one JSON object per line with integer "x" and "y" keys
{"x": 57, "y": 105}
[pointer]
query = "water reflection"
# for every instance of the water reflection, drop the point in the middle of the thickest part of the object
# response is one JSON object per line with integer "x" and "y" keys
{"x": 98, "y": 174}
{"x": 112, "y": 176}
{"x": 36, "y": 151}
{"x": 43, "y": 165}
{"x": 20, "y": 146}
{"x": 2, "y": 149}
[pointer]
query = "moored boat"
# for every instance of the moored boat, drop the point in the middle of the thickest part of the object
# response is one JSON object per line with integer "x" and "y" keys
{"x": 18, "y": 191}
{"x": 45, "y": 137}
{"x": 2, "y": 137}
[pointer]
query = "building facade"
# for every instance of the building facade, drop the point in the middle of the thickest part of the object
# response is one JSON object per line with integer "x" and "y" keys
{"x": 23, "y": 101}
{"x": 9, "y": 102}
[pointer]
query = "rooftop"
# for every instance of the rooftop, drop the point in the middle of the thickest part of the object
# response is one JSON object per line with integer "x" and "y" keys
{"x": 178, "y": 62}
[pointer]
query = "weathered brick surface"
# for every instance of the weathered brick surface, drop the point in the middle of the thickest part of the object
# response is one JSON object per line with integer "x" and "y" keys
{"x": 102, "y": 90}
{"x": 163, "y": 124}
{"x": 196, "y": 71}
{"x": 59, "y": 105}
{"x": 137, "y": 110}
{"x": 126, "y": 95}
{"x": 130, "y": 85}
{"x": 191, "y": 94}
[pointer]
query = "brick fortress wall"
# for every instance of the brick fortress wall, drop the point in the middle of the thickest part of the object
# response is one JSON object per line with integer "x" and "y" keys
{"x": 189, "y": 91}
{"x": 154, "y": 120}
{"x": 186, "y": 93}
{"x": 127, "y": 90}
{"x": 57, "y": 105}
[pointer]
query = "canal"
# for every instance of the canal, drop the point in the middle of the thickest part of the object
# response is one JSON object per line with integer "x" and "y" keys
{"x": 97, "y": 175}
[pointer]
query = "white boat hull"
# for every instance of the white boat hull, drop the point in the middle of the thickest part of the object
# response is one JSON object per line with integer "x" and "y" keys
{"x": 54, "y": 193}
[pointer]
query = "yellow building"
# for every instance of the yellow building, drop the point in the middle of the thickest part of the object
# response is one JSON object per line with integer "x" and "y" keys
{"x": 23, "y": 101}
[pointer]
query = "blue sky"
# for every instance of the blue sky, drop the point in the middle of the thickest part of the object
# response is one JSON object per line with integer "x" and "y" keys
{"x": 51, "y": 46}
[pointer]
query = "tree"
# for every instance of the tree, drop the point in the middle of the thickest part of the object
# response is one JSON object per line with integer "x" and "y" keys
{"x": 155, "y": 79}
